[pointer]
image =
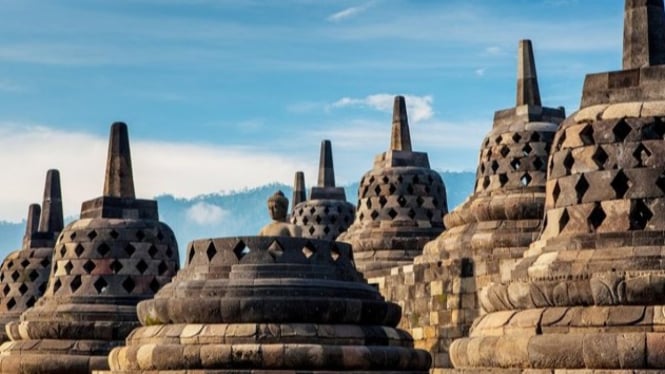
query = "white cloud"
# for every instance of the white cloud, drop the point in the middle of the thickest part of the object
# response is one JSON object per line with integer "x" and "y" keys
{"x": 494, "y": 50}
{"x": 203, "y": 213}
{"x": 180, "y": 169}
{"x": 418, "y": 107}
{"x": 348, "y": 12}
{"x": 480, "y": 72}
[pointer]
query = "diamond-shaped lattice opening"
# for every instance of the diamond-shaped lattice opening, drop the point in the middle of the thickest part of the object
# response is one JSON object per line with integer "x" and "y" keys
{"x": 596, "y": 217}
{"x": 526, "y": 179}
{"x": 130, "y": 249}
{"x": 374, "y": 214}
{"x": 599, "y": 156}
{"x": 56, "y": 285}
{"x": 311, "y": 230}
{"x": 561, "y": 140}
{"x": 318, "y": 219}
{"x": 153, "y": 250}
{"x": 63, "y": 251}
{"x": 400, "y": 179}
{"x": 392, "y": 213}
{"x": 515, "y": 164}
{"x": 6, "y": 289}
{"x": 333, "y": 219}
{"x": 420, "y": 201}
{"x": 556, "y": 191}
{"x": 535, "y": 137}
{"x": 494, "y": 166}
{"x": 641, "y": 154}
{"x": 45, "y": 262}
{"x": 25, "y": 263}
{"x": 326, "y": 230}
{"x": 11, "y": 304}
{"x": 660, "y": 182}
{"x": 72, "y": 236}
{"x": 526, "y": 150}
{"x": 114, "y": 234}
{"x": 42, "y": 287}
{"x": 568, "y": 161}
{"x": 100, "y": 285}
{"x": 563, "y": 220}
{"x": 586, "y": 135}
{"x": 486, "y": 182}
{"x": 621, "y": 130}
{"x": 30, "y": 302}
{"x": 211, "y": 251}
{"x": 140, "y": 235}
{"x": 241, "y": 249}
{"x": 429, "y": 213}
{"x": 129, "y": 285}
{"x": 116, "y": 266}
{"x": 15, "y": 276}
{"x": 33, "y": 275}
{"x": 312, "y": 210}
{"x": 162, "y": 268}
{"x": 581, "y": 187}
{"x": 23, "y": 289}
{"x": 517, "y": 137}
{"x": 154, "y": 285}
{"x": 539, "y": 164}
{"x": 141, "y": 266}
{"x": 308, "y": 251}
{"x": 620, "y": 184}
{"x": 392, "y": 189}
{"x": 76, "y": 283}
{"x": 416, "y": 180}
{"x": 504, "y": 151}
{"x": 385, "y": 179}
{"x": 305, "y": 220}
{"x": 160, "y": 236}
{"x": 10, "y": 264}
{"x": 169, "y": 252}
{"x": 640, "y": 214}
{"x": 382, "y": 201}
{"x": 412, "y": 214}
{"x": 68, "y": 267}
{"x": 503, "y": 179}
{"x": 401, "y": 200}
{"x": 92, "y": 235}
{"x": 482, "y": 168}
{"x": 89, "y": 266}
{"x": 409, "y": 189}
{"x": 79, "y": 250}
{"x": 498, "y": 139}
{"x": 377, "y": 190}
{"x": 103, "y": 249}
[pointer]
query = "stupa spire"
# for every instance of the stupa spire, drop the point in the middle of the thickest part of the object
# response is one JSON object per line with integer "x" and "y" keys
{"x": 527, "y": 78}
{"x": 326, "y": 169}
{"x": 119, "y": 178}
{"x": 32, "y": 223}
{"x": 400, "y": 139}
{"x": 643, "y": 34}
{"x": 51, "y": 213}
{"x": 299, "y": 192}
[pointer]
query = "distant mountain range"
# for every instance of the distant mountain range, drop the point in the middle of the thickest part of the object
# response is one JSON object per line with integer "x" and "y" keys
{"x": 236, "y": 213}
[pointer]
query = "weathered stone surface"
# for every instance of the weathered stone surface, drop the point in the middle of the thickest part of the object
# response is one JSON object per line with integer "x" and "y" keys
{"x": 114, "y": 256}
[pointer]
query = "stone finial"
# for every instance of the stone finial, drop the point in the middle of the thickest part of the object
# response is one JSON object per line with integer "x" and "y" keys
{"x": 32, "y": 224}
{"x": 119, "y": 179}
{"x": 326, "y": 169}
{"x": 527, "y": 79}
{"x": 400, "y": 139}
{"x": 299, "y": 192}
{"x": 643, "y": 34}
{"x": 51, "y": 213}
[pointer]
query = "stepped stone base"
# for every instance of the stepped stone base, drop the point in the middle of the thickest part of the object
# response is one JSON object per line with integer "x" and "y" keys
{"x": 544, "y": 371}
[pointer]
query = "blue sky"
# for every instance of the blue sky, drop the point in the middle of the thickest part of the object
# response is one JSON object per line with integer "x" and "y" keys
{"x": 221, "y": 95}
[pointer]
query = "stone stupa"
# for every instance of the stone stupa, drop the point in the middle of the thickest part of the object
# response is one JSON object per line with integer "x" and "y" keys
{"x": 24, "y": 273}
{"x": 326, "y": 213}
{"x": 401, "y": 203}
{"x": 299, "y": 192}
{"x": 268, "y": 304}
{"x": 115, "y": 255}
{"x": 590, "y": 293}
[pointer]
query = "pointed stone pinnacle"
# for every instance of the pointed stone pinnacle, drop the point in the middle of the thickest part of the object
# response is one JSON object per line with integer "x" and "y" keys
{"x": 400, "y": 139}
{"x": 643, "y": 34}
{"x": 32, "y": 224}
{"x": 527, "y": 79}
{"x": 326, "y": 169}
{"x": 52, "y": 220}
{"x": 119, "y": 178}
{"x": 299, "y": 193}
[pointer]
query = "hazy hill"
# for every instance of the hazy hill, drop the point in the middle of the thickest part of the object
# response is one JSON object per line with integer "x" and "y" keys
{"x": 237, "y": 213}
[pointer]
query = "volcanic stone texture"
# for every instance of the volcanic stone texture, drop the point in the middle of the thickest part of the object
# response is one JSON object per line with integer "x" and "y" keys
{"x": 268, "y": 305}
{"x": 327, "y": 213}
{"x": 401, "y": 203}
{"x": 589, "y": 293}
{"x": 114, "y": 256}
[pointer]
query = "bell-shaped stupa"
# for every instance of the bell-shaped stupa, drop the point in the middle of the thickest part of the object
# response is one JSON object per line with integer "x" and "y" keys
{"x": 268, "y": 304}
{"x": 326, "y": 213}
{"x": 24, "y": 273}
{"x": 401, "y": 203}
{"x": 115, "y": 255}
{"x": 590, "y": 293}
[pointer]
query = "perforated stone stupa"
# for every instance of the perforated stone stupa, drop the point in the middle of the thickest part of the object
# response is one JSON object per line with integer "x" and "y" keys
{"x": 24, "y": 273}
{"x": 327, "y": 213}
{"x": 114, "y": 256}
{"x": 401, "y": 203}
{"x": 590, "y": 292}
{"x": 268, "y": 305}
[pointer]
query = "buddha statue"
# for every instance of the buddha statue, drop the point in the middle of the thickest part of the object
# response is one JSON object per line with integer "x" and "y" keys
{"x": 278, "y": 207}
